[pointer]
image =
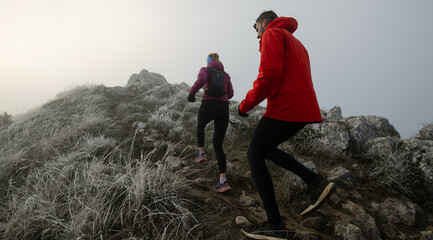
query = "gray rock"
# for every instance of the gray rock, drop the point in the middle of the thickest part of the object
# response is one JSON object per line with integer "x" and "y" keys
{"x": 340, "y": 175}
{"x": 364, "y": 128}
{"x": 426, "y": 133}
{"x": 392, "y": 232}
{"x": 381, "y": 145}
{"x": 413, "y": 145}
{"x": 426, "y": 164}
{"x": 382, "y": 126}
{"x": 397, "y": 211}
{"x": 421, "y": 153}
{"x": 242, "y": 221}
{"x": 258, "y": 212}
{"x": 348, "y": 231}
{"x": 146, "y": 78}
{"x": 237, "y": 123}
{"x": 363, "y": 220}
{"x": 334, "y": 114}
{"x": 246, "y": 201}
{"x": 375, "y": 206}
{"x": 333, "y": 137}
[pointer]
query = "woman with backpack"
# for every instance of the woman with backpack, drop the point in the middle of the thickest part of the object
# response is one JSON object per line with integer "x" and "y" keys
{"x": 214, "y": 106}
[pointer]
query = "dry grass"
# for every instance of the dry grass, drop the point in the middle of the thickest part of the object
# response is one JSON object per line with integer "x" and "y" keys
{"x": 395, "y": 170}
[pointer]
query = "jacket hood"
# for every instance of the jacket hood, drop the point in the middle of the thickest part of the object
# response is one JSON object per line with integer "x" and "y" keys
{"x": 288, "y": 23}
{"x": 217, "y": 65}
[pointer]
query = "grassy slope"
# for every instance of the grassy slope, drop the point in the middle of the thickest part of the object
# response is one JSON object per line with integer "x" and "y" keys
{"x": 81, "y": 167}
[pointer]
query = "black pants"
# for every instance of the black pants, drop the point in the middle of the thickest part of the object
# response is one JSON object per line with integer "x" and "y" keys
{"x": 218, "y": 111}
{"x": 268, "y": 135}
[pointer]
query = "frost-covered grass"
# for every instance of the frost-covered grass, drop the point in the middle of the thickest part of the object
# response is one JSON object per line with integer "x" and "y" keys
{"x": 81, "y": 196}
{"x": 51, "y": 130}
{"x": 172, "y": 123}
{"x": 65, "y": 175}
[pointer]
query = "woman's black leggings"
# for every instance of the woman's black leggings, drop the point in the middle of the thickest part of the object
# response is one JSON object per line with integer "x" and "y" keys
{"x": 268, "y": 135}
{"x": 218, "y": 111}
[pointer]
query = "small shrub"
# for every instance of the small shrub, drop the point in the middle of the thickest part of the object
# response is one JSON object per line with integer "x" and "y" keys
{"x": 5, "y": 120}
{"x": 395, "y": 170}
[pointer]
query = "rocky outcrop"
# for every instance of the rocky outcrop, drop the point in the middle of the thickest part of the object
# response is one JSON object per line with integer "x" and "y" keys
{"x": 374, "y": 136}
{"x": 333, "y": 136}
{"x": 147, "y": 79}
{"x": 426, "y": 133}
{"x": 353, "y": 215}
{"x": 369, "y": 134}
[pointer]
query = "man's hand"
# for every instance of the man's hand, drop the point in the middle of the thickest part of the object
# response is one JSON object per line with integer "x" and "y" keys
{"x": 241, "y": 113}
{"x": 191, "y": 98}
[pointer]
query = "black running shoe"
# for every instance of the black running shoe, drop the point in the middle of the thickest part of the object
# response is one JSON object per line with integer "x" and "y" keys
{"x": 266, "y": 231}
{"x": 317, "y": 192}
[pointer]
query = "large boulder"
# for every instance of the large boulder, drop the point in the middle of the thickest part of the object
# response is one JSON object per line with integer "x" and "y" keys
{"x": 371, "y": 134}
{"x": 333, "y": 137}
{"x": 147, "y": 79}
{"x": 365, "y": 128}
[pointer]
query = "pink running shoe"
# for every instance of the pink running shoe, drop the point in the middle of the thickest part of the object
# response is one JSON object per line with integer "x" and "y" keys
{"x": 221, "y": 187}
{"x": 200, "y": 158}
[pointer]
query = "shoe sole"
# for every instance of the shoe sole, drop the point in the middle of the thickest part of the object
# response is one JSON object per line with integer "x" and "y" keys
{"x": 221, "y": 190}
{"x": 330, "y": 188}
{"x": 260, "y": 237}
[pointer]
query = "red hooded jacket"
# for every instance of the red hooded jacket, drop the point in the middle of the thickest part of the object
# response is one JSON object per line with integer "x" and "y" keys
{"x": 284, "y": 76}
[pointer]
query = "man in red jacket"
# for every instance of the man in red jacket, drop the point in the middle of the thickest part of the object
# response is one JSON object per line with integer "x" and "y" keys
{"x": 285, "y": 81}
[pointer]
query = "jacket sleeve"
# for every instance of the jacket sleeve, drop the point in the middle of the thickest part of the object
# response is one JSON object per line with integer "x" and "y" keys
{"x": 270, "y": 70}
{"x": 200, "y": 82}
{"x": 230, "y": 91}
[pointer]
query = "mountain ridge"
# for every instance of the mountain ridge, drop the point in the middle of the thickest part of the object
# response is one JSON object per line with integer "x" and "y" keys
{"x": 117, "y": 163}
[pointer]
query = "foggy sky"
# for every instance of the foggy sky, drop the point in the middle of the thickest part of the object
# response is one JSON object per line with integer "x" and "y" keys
{"x": 368, "y": 57}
